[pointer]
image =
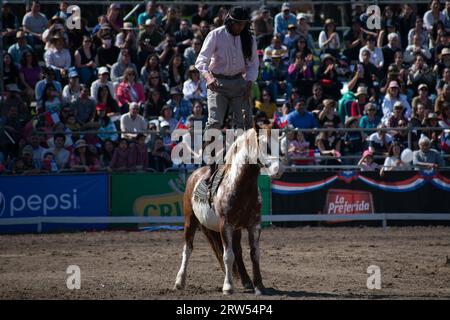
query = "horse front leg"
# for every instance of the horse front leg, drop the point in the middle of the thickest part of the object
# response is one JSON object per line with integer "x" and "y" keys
{"x": 226, "y": 233}
{"x": 254, "y": 233}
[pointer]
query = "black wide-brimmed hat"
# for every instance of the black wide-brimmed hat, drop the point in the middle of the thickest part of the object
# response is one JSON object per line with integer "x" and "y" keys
{"x": 239, "y": 14}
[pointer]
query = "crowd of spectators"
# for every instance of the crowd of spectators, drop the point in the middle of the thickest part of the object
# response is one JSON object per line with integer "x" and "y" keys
{"x": 84, "y": 99}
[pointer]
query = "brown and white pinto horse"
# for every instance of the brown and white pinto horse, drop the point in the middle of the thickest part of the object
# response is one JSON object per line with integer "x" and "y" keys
{"x": 235, "y": 206}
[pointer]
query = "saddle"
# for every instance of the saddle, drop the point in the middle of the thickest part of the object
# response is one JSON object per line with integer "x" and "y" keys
{"x": 206, "y": 191}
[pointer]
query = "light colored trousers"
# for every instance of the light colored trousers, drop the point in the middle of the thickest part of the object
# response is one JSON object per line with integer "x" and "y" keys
{"x": 230, "y": 95}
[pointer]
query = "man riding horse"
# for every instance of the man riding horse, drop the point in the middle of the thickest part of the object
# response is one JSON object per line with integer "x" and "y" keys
{"x": 229, "y": 63}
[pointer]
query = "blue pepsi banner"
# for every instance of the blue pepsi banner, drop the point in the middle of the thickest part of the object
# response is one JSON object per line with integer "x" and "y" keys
{"x": 53, "y": 196}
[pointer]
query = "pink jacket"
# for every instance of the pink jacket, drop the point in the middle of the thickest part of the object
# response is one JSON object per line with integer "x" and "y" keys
{"x": 123, "y": 93}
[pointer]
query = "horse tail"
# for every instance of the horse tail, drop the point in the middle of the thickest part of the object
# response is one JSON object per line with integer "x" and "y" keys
{"x": 215, "y": 241}
{"x": 216, "y": 244}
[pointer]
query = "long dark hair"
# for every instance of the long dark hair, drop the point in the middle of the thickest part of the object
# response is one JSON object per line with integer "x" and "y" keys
{"x": 246, "y": 35}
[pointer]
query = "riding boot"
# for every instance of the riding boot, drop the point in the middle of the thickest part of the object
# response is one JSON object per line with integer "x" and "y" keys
{"x": 211, "y": 167}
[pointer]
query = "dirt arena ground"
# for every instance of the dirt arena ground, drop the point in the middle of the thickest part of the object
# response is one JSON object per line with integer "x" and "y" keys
{"x": 297, "y": 263}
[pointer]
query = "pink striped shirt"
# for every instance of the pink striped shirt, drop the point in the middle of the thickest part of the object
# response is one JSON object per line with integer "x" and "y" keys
{"x": 221, "y": 53}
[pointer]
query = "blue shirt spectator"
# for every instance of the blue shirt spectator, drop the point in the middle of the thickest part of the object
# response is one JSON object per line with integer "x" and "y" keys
{"x": 284, "y": 19}
{"x": 300, "y": 118}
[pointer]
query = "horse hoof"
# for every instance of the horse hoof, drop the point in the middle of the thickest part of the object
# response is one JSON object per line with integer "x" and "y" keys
{"x": 228, "y": 292}
{"x": 248, "y": 286}
{"x": 260, "y": 291}
{"x": 178, "y": 286}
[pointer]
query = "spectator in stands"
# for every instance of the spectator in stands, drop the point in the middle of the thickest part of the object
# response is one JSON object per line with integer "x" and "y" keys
{"x": 170, "y": 23}
{"x": 298, "y": 148}
{"x": 38, "y": 150}
{"x": 126, "y": 38}
{"x": 155, "y": 82}
{"x": 184, "y": 36}
{"x": 291, "y": 37}
{"x": 445, "y": 116}
{"x": 376, "y": 54}
{"x": 166, "y": 50}
{"x": 129, "y": 90}
{"x": 139, "y": 154}
{"x": 263, "y": 26}
{"x": 328, "y": 114}
{"x": 284, "y": 19}
{"x": 10, "y": 70}
{"x": 275, "y": 75}
{"x": 107, "y": 153}
{"x": 266, "y": 104}
{"x": 29, "y": 74}
{"x": 180, "y": 106}
{"x": 380, "y": 141}
{"x": 60, "y": 153}
{"x": 159, "y": 159}
{"x": 315, "y": 102}
{"x": 132, "y": 123}
{"x": 328, "y": 77}
{"x": 167, "y": 116}
{"x": 106, "y": 101}
{"x": 433, "y": 15}
{"x": 357, "y": 106}
{"x": 102, "y": 81}
{"x": 191, "y": 53}
{"x": 422, "y": 98}
{"x": 34, "y": 24}
{"x": 85, "y": 61}
{"x": 51, "y": 101}
{"x": 393, "y": 161}
{"x": 19, "y": 48}
{"x": 84, "y": 106}
{"x": 442, "y": 98}
{"x": 416, "y": 48}
{"x": 392, "y": 96}
{"x": 9, "y": 24}
{"x": 390, "y": 49}
{"x": 354, "y": 40}
{"x": 121, "y": 157}
{"x": 426, "y": 158}
{"x": 201, "y": 15}
{"x": 432, "y": 121}
{"x": 151, "y": 13}
{"x": 302, "y": 119}
{"x": 278, "y": 48}
{"x": 329, "y": 144}
{"x": 197, "y": 113}
{"x": 13, "y": 99}
{"x": 406, "y": 21}
{"x": 58, "y": 57}
{"x": 420, "y": 31}
{"x": 329, "y": 41}
{"x": 194, "y": 87}
{"x": 13, "y": 126}
{"x": 108, "y": 54}
{"x": 301, "y": 73}
{"x": 153, "y": 104}
{"x": 420, "y": 73}
{"x": 353, "y": 141}
{"x": 113, "y": 17}
{"x": 151, "y": 64}
{"x": 367, "y": 162}
{"x": 82, "y": 159}
{"x": 119, "y": 68}
{"x": 176, "y": 71}
{"x": 72, "y": 90}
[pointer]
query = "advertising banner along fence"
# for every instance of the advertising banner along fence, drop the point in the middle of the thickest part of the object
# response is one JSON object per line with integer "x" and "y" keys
{"x": 53, "y": 196}
{"x": 158, "y": 194}
{"x": 351, "y": 192}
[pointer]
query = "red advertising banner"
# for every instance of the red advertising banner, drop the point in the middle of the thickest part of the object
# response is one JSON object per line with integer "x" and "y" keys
{"x": 344, "y": 201}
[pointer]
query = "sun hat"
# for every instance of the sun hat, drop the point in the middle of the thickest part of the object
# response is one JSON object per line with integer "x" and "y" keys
{"x": 361, "y": 91}
{"x": 127, "y": 26}
{"x": 80, "y": 143}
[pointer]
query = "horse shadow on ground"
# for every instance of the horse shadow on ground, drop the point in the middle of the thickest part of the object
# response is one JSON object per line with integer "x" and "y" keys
{"x": 272, "y": 292}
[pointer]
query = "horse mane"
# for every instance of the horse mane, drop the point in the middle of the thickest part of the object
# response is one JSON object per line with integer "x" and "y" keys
{"x": 247, "y": 141}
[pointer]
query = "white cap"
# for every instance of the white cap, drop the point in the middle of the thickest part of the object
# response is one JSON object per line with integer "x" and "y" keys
{"x": 103, "y": 70}
{"x": 164, "y": 123}
{"x": 301, "y": 15}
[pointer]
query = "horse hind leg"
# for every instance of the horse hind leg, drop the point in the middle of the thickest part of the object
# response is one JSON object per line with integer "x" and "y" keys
{"x": 254, "y": 233}
{"x": 239, "y": 262}
{"x": 226, "y": 233}
{"x": 190, "y": 226}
